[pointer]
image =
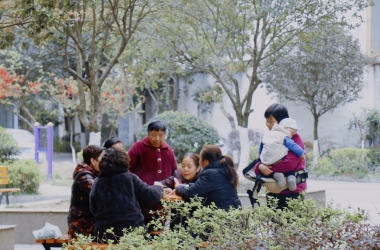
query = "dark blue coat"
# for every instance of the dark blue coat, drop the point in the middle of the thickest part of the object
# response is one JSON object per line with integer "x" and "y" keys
{"x": 215, "y": 186}
{"x": 115, "y": 198}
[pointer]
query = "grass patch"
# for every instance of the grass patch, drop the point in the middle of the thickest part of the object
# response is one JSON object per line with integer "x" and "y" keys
{"x": 63, "y": 182}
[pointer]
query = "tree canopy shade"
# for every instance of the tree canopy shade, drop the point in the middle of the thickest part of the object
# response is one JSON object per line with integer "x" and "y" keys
{"x": 232, "y": 39}
{"x": 323, "y": 70}
{"x": 92, "y": 36}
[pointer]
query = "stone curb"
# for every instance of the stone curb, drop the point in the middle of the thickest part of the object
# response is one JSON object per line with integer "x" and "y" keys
{"x": 343, "y": 178}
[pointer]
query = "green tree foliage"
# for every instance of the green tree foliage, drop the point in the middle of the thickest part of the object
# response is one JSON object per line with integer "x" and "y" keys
{"x": 323, "y": 69}
{"x": 8, "y": 146}
{"x": 185, "y": 132}
{"x": 24, "y": 174}
{"x": 235, "y": 40}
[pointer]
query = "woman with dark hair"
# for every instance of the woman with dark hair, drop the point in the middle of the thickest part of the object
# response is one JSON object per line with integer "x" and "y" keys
{"x": 189, "y": 172}
{"x": 218, "y": 181}
{"x": 80, "y": 219}
{"x": 116, "y": 195}
{"x": 114, "y": 142}
{"x": 152, "y": 159}
{"x": 275, "y": 114}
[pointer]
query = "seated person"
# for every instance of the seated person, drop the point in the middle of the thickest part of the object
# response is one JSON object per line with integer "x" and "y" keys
{"x": 116, "y": 195}
{"x": 115, "y": 143}
{"x": 80, "y": 219}
{"x": 189, "y": 173}
{"x": 217, "y": 183}
{"x": 276, "y": 145}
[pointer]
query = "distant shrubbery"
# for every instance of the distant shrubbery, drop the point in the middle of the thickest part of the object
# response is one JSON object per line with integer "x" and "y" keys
{"x": 24, "y": 174}
{"x": 8, "y": 146}
{"x": 185, "y": 132}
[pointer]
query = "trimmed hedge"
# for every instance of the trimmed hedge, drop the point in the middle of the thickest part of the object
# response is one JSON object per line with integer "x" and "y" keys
{"x": 185, "y": 132}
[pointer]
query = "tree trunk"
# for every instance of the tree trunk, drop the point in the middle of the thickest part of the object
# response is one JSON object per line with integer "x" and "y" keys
{"x": 73, "y": 153}
{"x": 229, "y": 117}
{"x": 362, "y": 144}
{"x": 95, "y": 138}
{"x": 244, "y": 151}
{"x": 315, "y": 142}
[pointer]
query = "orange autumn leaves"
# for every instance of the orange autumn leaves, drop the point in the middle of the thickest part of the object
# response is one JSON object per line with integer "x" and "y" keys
{"x": 14, "y": 86}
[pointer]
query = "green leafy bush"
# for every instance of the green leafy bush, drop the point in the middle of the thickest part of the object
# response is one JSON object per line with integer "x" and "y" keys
{"x": 253, "y": 153}
{"x": 8, "y": 146}
{"x": 302, "y": 226}
{"x": 185, "y": 132}
{"x": 344, "y": 161}
{"x": 62, "y": 145}
{"x": 24, "y": 174}
{"x": 348, "y": 161}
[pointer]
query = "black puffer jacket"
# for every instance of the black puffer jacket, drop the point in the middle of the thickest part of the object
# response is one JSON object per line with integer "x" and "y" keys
{"x": 115, "y": 197}
{"x": 214, "y": 186}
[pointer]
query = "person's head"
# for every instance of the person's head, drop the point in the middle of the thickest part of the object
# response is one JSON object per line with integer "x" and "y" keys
{"x": 211, "y": 153}
{"x": 92, "y": 155}
{"x": 156, "y": 133}
{"x": 114, "y": 143}
{"x": 274, "y": 114}
{"x": 289, "y": 125}
{"x": 114, "y": 157}
{"x": 190, "y": 166}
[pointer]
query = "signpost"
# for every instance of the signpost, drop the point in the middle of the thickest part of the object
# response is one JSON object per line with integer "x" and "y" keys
{"x": 48, "y": 149}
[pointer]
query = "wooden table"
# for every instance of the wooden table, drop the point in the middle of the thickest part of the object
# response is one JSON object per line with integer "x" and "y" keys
{"x": 172, "y": 197}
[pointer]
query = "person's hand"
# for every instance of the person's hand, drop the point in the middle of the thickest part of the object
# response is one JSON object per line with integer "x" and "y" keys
{"x": 303, "y": 157}
{"x": 265, "y": 170}
{"x": 169, "y": 191}
{"x": 157, "y": 183}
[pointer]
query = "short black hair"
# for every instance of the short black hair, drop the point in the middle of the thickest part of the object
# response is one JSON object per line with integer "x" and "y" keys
{"x": 111, "y": 141}
{"x": 157, "y": 125}
{"x": 278, "y": 111}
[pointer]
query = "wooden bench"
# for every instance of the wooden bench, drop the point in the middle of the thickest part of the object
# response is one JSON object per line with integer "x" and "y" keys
{"x": 3, "y": 182}
{"x": 48, "y": 243}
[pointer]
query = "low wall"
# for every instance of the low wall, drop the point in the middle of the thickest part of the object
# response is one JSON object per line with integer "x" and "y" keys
{"x": 318, "y": 195}
{"x": 28, "y": 220}
{"x": 7, "y": 240}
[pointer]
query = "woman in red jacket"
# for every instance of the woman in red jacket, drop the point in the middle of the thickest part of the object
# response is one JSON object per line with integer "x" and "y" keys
{"x": 152, "y": 159}
{"x": 274, "y": 114}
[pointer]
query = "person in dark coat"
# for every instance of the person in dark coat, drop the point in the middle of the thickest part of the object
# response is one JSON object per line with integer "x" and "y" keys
{"x": 113, "y": 142}
{"x": 80, "y": 219}
{"x": 217, "y": 183}
{"x": 116, "y": 195}
{"x": 152, "y": 159}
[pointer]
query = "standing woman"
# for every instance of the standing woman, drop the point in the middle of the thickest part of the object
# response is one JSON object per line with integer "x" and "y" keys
{"x": 152, "y": 159}
{"x": 218, "y": 181}
{"x": 80, "y": 219}
{"x": 274, "y": 114}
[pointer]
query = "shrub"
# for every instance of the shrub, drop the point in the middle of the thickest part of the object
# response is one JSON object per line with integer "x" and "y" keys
{"x": 24, "y": 174}
{"x": 64, "y": 146}
{"x": 8, "y": 146}
{"x": 348, "y": 161}
{"x": 301, "y": 226}
{"x": 345, "y": 161}
{"x": 253, "y": 153}
{"x": 185, "y": 132}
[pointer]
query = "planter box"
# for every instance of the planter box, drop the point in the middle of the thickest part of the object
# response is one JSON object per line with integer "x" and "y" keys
{"x": 7, "y": 239}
